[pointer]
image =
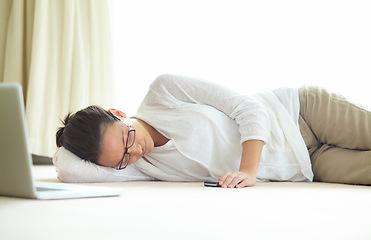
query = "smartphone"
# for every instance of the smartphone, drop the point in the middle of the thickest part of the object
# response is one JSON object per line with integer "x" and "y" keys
{"x": 211, "y": 184}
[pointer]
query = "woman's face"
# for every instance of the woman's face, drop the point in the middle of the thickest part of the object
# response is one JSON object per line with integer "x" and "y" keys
{"x": 114, "y": 139}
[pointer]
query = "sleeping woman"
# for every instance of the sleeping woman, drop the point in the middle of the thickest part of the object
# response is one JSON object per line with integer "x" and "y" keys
{"x": 193, "y": 130}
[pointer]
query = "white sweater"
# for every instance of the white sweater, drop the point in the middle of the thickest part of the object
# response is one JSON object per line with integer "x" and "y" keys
{"x": 207, "y": 123}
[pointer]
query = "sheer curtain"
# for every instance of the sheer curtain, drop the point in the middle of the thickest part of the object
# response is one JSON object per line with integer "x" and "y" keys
{"x": 246, "y": 45}
{"x": 60, "y": 52}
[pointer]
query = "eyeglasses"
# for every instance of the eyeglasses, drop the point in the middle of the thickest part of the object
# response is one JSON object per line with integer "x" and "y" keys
{"x": 129, "y": 143}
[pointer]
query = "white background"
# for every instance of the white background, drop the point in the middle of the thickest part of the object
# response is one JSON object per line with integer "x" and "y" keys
{"x": 245, "y": 45}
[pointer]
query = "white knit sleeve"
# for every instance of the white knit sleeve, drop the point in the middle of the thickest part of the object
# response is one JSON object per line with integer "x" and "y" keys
{"x": 250, "y": 115}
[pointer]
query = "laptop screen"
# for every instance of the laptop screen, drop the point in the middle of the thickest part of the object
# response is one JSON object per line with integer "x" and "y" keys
{"x": 15, "y": 157}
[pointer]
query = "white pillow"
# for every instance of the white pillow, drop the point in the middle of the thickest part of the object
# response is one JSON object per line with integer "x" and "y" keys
{"x": 72, "y": 169}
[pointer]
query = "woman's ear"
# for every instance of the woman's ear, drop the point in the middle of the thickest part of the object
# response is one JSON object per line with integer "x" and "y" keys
{"x": 117, "y": 112}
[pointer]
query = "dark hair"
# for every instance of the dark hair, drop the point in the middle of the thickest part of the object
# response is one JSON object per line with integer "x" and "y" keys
{"x": 82, "y": 132}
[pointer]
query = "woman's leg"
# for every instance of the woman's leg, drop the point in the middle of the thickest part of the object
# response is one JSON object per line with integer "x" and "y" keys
{"x": 338, "y": 136}
{"x": 341, "y": 165}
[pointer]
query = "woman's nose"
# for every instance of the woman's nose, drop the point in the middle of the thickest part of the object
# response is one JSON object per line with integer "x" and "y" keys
{"x": 136, "y": 149}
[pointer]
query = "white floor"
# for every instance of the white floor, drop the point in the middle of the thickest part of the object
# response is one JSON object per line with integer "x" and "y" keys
{"x": 164, "y": 210}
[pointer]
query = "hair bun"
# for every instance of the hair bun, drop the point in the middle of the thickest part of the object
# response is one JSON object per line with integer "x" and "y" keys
{"x": 59, "y": 134}
{"x": 59, "y": 137}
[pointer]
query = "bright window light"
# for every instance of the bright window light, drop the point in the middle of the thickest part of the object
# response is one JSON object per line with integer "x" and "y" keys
{"x": 245, "y": 45}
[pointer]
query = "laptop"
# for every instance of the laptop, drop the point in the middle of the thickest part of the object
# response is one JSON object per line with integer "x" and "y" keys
{"x": 16, "y": 161}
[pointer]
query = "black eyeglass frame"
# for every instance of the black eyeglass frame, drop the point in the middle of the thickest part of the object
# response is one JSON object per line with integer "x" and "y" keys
{"x": 125, "y": 159}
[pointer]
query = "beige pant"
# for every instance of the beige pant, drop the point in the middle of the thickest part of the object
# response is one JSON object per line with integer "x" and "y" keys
{"x": 338, "y": 137}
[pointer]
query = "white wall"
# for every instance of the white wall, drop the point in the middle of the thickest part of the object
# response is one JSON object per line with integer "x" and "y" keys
{"x": 246, "y": 45}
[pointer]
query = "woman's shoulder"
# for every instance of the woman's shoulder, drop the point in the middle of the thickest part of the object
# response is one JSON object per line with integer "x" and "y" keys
{"x": 165, "y": 79}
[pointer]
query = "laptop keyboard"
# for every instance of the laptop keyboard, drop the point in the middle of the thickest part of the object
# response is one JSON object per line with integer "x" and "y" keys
{"x": 41, "y": 189}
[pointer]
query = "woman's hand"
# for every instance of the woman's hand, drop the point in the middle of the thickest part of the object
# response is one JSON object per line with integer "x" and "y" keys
{"x": 246, "y": 176}
{"x": 237, "y": 179}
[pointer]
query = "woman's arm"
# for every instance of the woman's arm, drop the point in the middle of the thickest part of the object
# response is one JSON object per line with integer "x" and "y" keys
{"x": 249, "y": 113}
{"x": 246, "y": 176}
